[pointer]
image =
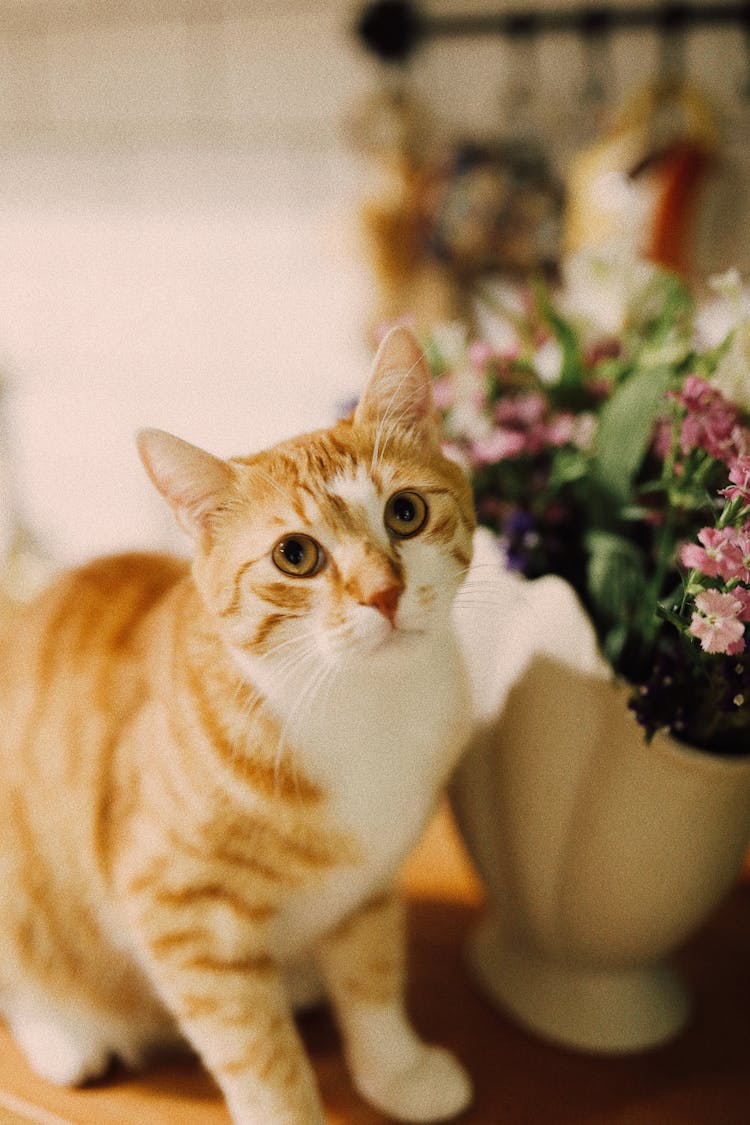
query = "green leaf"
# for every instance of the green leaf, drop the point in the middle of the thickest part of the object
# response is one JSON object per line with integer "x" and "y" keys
{"x": 625, "y": 427}
{"x": 572, "y": 374}
{"x": 670, "y": 616}
{"x": 664, "y": 309}
{"x": 705, "y": 363}
{"x": 569, "y": 465}
{"x": 615, "y": 574}
{"x": 436, "y": 361}
{"x": 635, "y": 513}
{"x": 614, "y": 642}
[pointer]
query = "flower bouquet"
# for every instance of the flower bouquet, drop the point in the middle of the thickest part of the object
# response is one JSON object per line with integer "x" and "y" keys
{"x": 605, "y": 798}
{"x": 620, "y": 460}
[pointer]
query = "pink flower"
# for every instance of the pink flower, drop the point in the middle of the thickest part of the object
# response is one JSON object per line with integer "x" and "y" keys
{"x": 739, "y": 474}
{"x": 719, "y": 557}
{"x": 500, "y": 445}
{"x": 662, "y": 442}
{"x": 741, "y": 555}
{"x": 696, "y": 393}
{"x": 741, "y": 441}
{"x": 712, "y": 431}
{"x": 742, "y": 594}
{"x": 716, "y": 622}
{"x": 711, "y": 421}
{"x": 444, "y": 392}
{"x": 480, "y": 354}
{"x": 521, "y": 410}
{"x": 561, "y": 429}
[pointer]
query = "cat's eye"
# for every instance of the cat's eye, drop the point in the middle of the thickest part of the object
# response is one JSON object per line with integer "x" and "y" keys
{"x": 298, "y": 555}
{"x": 406, "y": 513}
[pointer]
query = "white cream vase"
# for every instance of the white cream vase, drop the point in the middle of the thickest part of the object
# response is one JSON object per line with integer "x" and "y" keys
{"x": 600, "y": 854}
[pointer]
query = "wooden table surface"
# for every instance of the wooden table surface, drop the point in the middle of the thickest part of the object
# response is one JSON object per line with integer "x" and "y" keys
{"x": 703, "y": 1078}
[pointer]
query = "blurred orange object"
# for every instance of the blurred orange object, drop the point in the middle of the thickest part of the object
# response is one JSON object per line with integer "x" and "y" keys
{"x": 644, "y": 183}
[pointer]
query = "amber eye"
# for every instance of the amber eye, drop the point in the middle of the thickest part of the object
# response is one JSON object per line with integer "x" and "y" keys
{"x": 406, "y": 514}
{"x": 298, "y": 555}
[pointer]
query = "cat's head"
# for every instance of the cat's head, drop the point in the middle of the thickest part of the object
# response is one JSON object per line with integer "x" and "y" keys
{"x": 339, "y": 544}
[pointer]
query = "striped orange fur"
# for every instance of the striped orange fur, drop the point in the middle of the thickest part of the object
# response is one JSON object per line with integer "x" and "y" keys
{"x": 211, "y": 771}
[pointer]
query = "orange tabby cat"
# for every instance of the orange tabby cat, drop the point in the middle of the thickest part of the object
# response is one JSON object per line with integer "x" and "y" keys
{"x": 209, "y": 772}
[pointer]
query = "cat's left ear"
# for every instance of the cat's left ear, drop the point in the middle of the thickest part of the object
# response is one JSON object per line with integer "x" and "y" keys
{"x": 400, "y": 389}
{"x": 193, "y": 482}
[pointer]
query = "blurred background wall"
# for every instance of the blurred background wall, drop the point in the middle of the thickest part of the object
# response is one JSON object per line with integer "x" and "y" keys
{"x": 178, "y": 222}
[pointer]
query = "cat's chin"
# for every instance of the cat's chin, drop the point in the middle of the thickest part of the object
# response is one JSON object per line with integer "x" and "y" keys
{"x": 375, "y": 645}
{"x": 396, "y": 640}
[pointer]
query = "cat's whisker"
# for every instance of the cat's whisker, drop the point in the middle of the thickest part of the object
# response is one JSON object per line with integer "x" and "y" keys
{"x": 297, "y": 639}
{"x": 492, "y": 597}
{"x": 496, "y": 567}
{"x": 490, "y": 581}
{"x": 497, "y": 596}
{"x": 489, "y": 588}
{"x": 481, "y": 603}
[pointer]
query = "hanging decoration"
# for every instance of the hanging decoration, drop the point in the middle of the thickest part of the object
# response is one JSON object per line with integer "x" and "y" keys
{"x": 395, "y": 133}
{"x": 641, "y": 183}
{"x": 644, "y": 181}
{"x": 445, "y": 221}
{"x": 454, "y": 216}
{"x": 450, "y": 215}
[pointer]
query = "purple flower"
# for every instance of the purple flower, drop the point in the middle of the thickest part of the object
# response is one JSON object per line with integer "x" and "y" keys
{"x": 519, "y": 523}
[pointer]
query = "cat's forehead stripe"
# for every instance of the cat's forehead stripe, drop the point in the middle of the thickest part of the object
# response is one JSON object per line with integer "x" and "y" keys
{"x": 355, "y": 488}
{"x": 359, "y": 491}
{"x": 354, "y": 502}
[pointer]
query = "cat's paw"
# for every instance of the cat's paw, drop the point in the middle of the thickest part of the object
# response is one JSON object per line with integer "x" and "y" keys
{"x": 59, "y": 1053}
{"x": 431, "y": 1087}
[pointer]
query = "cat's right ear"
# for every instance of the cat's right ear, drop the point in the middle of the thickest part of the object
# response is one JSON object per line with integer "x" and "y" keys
{"x": 399, "y": 392}
{"x": 192, "y": 481}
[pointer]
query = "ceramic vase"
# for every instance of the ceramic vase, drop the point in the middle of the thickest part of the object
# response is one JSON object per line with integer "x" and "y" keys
{"x": 600, "y": 853}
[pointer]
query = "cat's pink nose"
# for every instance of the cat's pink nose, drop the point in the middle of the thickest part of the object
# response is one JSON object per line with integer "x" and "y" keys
{"x": 385, "y": 601}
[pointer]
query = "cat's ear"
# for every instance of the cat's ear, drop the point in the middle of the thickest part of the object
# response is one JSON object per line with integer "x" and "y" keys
{"x": 192, "y": 481}
{"x": 399, "y": 392}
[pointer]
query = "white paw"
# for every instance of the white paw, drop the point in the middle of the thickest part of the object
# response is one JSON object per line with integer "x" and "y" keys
{"x": 433, "y": 1086}
{"x": 61, "y": 1054}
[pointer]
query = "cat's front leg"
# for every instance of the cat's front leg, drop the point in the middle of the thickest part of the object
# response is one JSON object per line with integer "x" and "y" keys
{"x": 228, "y": 998}
{"x": 363, "y": 961}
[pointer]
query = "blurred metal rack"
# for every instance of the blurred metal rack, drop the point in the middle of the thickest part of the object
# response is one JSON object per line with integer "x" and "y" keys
{"x": 394, "y": 29}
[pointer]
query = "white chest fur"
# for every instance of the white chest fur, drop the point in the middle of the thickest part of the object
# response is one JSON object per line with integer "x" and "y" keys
{"x": 382, "y": 738}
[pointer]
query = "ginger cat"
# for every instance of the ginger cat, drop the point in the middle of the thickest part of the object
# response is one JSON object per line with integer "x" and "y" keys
{"x": 209, "y": 771}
